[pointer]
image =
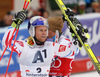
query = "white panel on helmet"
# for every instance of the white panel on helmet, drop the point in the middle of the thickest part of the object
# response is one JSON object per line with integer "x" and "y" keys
{"x": 32, "y": 27}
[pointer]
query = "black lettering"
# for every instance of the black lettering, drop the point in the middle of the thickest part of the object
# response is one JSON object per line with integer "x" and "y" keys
{"x": 38, "y": 57}
{"x": 45, "y": 54}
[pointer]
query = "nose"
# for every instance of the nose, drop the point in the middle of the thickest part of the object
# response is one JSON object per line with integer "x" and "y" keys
{"x": 44, "y": 32}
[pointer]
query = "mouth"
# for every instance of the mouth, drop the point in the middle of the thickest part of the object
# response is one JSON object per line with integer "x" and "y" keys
{"x": 43, "y": 36}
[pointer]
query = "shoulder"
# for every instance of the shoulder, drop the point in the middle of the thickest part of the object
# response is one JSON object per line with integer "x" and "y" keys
{"x": 63, "y": 40}
{"x": 20, "y": 43}
{"x": 49, "y": 43}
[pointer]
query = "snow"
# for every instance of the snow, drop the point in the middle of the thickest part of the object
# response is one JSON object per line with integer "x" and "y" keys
{"x": 86, "y": 74}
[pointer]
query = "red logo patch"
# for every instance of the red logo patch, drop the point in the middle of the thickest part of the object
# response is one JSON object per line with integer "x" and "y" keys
{"x": 27, "y": 71}
{"x": 20, "y": 43}
{"x": 47, "y": 70}
{"x": 62, "y": 48}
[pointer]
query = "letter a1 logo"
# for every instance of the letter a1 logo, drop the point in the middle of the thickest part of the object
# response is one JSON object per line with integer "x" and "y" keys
{"x": 62, "y": 48}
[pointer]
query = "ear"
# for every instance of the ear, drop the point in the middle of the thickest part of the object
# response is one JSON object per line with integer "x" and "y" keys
{"x": 32, "y": 31}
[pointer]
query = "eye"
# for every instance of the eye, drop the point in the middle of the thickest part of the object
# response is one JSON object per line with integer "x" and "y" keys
{"x": 45, "y": 30}
{"x": 41, "y": 30}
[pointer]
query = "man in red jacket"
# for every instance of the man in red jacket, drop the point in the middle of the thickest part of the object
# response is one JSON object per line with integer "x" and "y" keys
{"x": 61, "y": 66}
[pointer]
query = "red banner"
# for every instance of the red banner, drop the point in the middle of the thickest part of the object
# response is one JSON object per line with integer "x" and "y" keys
{"x": 83, "y": 65}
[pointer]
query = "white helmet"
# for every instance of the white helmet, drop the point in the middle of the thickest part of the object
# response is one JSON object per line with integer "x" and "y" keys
{"x": 36, "y": 21}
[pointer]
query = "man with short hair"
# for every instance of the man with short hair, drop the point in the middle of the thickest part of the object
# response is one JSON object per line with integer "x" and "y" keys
{"x": 35, "y": 53}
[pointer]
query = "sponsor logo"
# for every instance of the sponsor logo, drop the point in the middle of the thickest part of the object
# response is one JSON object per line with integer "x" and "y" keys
{"x": 62, "y": 48}
{"x": 56, "y": 65}
{"x": 36, "y": 75}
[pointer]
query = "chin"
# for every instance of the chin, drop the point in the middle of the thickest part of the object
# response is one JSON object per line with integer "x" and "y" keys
{"x": 43, "y": 40}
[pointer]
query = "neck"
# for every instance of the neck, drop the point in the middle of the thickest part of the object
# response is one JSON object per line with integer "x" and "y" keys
{"x": 38, "y": 42}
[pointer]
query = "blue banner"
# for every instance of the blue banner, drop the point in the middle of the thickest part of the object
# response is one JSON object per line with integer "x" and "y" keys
{"x": 93, "y": 25}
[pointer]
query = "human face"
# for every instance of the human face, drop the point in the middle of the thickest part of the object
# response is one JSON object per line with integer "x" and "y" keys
{"x": 41, "y": 33}
{"x": 45, "y": 14}
{"x": 51, "y": 34}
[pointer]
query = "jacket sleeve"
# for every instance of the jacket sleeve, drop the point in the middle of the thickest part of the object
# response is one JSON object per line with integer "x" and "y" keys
{"x": 60, "y": 49}
{"x": 67, "y": 49}
{"x": 18, "y": 47}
